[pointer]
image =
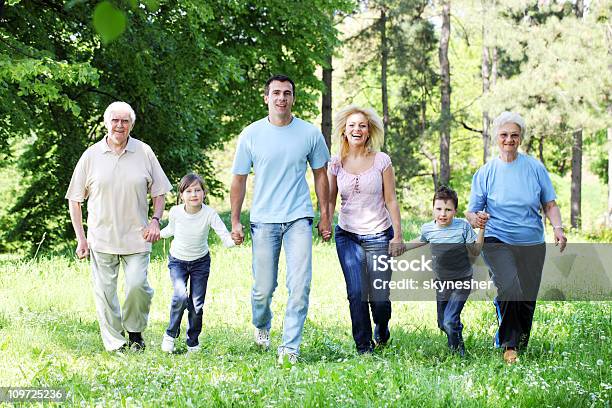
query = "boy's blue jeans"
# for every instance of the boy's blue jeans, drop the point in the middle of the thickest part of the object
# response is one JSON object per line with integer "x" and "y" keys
{"x": 356, "y": 254}
{"x": 197, "y": 273}
{"x": 450, "y": 303}
{"x": 296, "y": 237}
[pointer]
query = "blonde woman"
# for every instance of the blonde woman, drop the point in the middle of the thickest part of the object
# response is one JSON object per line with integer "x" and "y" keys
{"x": 368, "y": 223}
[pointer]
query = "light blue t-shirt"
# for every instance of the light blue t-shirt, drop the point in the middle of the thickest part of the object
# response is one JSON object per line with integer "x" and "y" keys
{"x": 448, "y": 248}
{"x": 278, "y": 155}
{"x": 513, "y": 194}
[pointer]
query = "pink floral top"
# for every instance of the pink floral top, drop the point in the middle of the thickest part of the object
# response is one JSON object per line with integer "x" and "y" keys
{"x": 362, "y": 206}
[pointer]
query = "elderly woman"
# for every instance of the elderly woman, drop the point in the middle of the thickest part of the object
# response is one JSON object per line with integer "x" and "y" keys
{"x": 369, "y": 220}
{"x": 512, "y": 189}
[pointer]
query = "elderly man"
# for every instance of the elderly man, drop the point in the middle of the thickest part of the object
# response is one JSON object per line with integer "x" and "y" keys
{"x": 278, "y": 147}
{"x": 114, "y": 176}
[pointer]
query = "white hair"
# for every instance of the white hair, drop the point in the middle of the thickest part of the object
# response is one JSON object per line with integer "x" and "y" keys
{"x": 509, "y": 117}
{"x": 119, "y": 106}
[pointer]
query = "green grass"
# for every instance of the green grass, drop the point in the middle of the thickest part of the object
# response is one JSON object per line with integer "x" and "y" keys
{"x": 49, "y": 336}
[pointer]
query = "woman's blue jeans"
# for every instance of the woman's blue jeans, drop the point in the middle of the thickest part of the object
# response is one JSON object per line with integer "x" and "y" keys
{"x": 197, "y": 273}
{"x": 356, "y": 254}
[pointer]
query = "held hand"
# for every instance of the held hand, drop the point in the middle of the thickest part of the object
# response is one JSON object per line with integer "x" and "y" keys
{"x": 324, "y": 228}
{"x": 479, "y": 219}
{"x": 560, "y": 238}
{"x": 82, "y": 250}
{"x": 396, "y": 247}
{"x": 484, "y": 217}
{"x": 151, "y": 232}
{"x": 237, "y": 233}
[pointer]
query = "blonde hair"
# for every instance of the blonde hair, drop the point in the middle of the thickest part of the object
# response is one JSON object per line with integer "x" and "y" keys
{"x": 376, "y": 130}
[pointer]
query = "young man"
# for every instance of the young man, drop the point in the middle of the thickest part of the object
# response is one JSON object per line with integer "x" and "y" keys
{"x": 452, "y": 241}
{"x": 278, "y": 147}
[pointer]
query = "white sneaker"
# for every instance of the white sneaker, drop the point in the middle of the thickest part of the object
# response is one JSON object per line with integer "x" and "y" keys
{"x": 193, "y": 349}
{"x": 286, "y": 358}
{"x": 262, "y": 338}
{"x": 167, "y": 344}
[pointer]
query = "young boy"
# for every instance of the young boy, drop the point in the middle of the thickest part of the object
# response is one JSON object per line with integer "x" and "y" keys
{"x": 453, "y": 242}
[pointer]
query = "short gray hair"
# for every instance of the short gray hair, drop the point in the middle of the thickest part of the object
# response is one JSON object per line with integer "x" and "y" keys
{"x": 116, "y": 106}
{"x": 509, "y": 117}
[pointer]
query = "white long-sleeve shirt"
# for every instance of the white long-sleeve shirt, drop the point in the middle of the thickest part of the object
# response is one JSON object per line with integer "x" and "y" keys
{"x": 191, "y": 232}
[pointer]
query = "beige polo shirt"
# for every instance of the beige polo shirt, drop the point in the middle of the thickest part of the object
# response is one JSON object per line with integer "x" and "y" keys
{"x": 116, "y": 187}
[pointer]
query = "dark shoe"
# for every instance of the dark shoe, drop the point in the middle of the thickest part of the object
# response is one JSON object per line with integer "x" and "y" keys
{"x": 381, "y": 339}
{"x": 380, "y": 343}
{"x": 124, "y": 348}
{"x": 459, "y": 350}
{"x": 136, "y": 342}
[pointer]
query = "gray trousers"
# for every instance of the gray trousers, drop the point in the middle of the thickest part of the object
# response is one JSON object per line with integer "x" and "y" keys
{"x": 138, "y": 295}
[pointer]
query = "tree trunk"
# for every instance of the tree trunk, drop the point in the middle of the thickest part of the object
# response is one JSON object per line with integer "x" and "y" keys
{"x": 610, "y": 172}
{"x": 445, "y": 95}
{"x": 486, "y": 120}
{"x": 541, "y": 150}
{"x": 384, "y": 47}
{"x": 326, "y": 102}
{"x": 576, "y": 194}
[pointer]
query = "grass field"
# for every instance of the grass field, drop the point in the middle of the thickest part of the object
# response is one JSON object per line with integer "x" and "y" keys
{"x": 49, "y": 336}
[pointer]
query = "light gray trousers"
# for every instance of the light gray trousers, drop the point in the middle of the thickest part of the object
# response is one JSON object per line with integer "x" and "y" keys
{"x": 138, "y": 295}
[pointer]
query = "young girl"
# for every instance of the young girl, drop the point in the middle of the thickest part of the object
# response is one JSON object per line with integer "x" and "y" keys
{"x": 189, "y": 259}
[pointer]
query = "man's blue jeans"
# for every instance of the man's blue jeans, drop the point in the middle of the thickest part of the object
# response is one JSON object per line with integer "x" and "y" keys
{"x": 197, "y": 273}
{"x": 450, "y": 303}
{"x": 296, "y": 236}
{"x": 356, "y": 254}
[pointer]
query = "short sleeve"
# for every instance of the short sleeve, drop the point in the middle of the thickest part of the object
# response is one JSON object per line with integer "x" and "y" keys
{"x": 319, "y": 154}
{"x": 77, "y": 190}
{"x": 159, "y": 182}
{"x": 383, "y": 161}
{"x": 423, "y": 237}
{"x": 548, "y": 191}
{"x": 334, "y": 166}
{"x": 478, "y": 193}
{"x": 469, "y": 234}
{"x": 243, "y": 160}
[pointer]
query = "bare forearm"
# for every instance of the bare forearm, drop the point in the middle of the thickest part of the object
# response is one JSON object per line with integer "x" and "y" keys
{"x": 394, "y": 212}
{"x": 76, "y": 216}
{"x": 476, "y": 247}
{"x": 554, "y": 215}
{"x": 322, "y": 192}
{"x": 159, "y": 204}
{"x": 237, "y": 193}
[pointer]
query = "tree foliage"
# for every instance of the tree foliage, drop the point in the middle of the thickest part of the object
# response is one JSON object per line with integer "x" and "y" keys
{"x": 193, "y": 71}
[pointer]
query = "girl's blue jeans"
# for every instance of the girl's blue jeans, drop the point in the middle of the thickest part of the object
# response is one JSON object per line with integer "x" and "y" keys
{"x": 196, "y": 274}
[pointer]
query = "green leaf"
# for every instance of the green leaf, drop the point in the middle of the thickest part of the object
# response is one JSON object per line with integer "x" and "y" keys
{"x": 152, "y": 5}
{"x": 109, "y": 21}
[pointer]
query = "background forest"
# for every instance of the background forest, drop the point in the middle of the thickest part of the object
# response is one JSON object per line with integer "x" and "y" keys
{"x": 437, "y": 71}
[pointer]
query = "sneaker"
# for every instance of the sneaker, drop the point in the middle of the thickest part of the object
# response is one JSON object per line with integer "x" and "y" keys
{"x": 136, "y": 342}
{"x": 510, "y": 356}
{"x": 262, "y": 338}
{"x": 167, "y": 344}
{"x": 193, "y": 349}
{"x": 287, "y": 359}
